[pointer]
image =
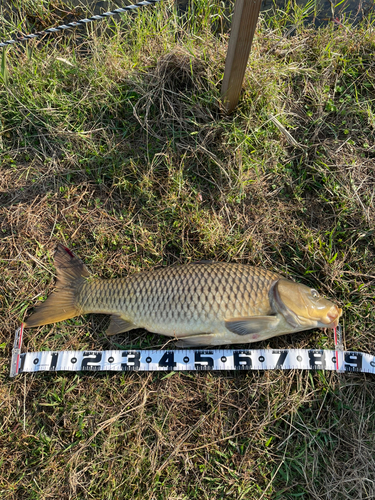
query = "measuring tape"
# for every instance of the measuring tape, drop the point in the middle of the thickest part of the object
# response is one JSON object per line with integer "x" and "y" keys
{"x": 190, "y": 359}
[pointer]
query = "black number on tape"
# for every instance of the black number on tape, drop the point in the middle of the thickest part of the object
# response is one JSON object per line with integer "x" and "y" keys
{"x": 91, "y": 360}
{"x": 54, "y": 358}
{"x": 167, "y": 360}
{"x": 203, "y": 362}
{"x": 282, "y": 358}
{"x": 317, "y": 360}
{"x": 353, "y": 362}
{"x": 22, "y": 362}
{"x": 133, "y": 362}
{"x": 242, "y": 360}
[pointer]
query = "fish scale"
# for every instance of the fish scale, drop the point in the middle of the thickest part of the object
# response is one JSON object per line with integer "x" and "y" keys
{"x": 197, "y": 292}
{"x": 206, "y": 303}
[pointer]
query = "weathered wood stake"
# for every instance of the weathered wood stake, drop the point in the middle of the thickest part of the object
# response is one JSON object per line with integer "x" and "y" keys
{"x": 244, "y": 22}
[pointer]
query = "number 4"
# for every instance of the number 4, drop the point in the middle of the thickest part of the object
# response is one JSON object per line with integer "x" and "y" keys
{"x": 167, "y": 360}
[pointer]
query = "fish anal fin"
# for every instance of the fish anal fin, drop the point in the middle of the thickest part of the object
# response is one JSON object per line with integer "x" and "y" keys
{"x": 251, "y": 325}
{"x": 119, "y": 325}
{"x": 199, "y": 340}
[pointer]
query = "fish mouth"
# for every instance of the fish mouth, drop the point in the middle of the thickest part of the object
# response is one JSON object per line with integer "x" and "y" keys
{"x": 332, "y": 317}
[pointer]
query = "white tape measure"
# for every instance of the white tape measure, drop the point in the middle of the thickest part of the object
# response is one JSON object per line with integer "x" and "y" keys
{"x": 189, "y": 360}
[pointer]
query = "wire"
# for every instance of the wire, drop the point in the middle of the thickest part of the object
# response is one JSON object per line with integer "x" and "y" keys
{"x": 81, "y": 22}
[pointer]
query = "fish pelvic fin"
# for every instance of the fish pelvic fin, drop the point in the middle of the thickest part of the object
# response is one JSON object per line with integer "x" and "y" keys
{"x": 62, "y": 304}
{"x": 119, "y": 325}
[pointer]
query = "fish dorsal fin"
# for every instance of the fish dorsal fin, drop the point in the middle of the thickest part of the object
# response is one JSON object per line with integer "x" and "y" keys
{"x": 251, "y": 325}
{"x": 68, "y": 266}
{"x": 119, "y": 325}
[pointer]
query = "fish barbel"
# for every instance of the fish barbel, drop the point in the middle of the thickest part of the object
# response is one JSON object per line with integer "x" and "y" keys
{"x": 203, "y": 303}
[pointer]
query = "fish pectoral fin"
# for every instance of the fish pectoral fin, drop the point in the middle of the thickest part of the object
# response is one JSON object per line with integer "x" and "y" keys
{"x": 119, "y": 325}
{"x": 196, "y": 340}
{"x": 254, "y": 324}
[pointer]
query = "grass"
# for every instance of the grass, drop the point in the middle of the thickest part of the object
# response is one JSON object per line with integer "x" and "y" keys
{"x": 114, "y": 142}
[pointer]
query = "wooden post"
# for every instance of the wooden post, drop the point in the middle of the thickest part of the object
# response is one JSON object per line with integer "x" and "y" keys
{"x": 244, "y": 22}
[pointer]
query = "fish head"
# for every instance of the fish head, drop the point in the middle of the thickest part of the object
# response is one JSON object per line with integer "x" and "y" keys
{"x": 303, "y": 307}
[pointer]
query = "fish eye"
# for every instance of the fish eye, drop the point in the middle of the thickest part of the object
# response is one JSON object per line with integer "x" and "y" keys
{"x": 314, "y": 293}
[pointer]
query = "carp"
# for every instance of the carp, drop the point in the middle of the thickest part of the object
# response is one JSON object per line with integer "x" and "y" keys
{"x": 200, "y": 304}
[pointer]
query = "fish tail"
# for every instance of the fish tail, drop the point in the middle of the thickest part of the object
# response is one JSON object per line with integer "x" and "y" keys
{"x": 62, "y": 304}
